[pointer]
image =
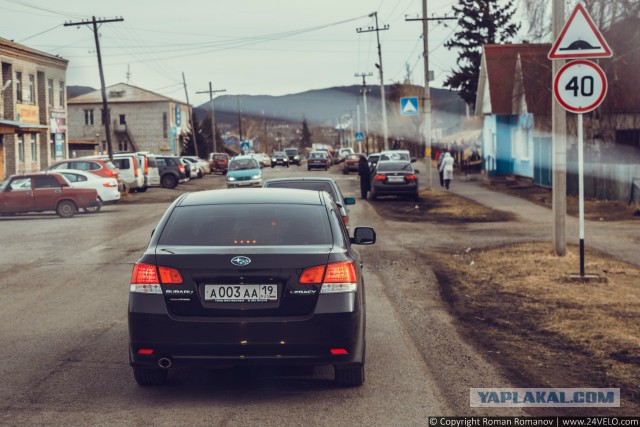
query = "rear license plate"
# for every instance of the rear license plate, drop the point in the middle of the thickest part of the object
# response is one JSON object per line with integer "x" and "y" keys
{"x": 396, "y": 179}
{"x": 241, "y": 293}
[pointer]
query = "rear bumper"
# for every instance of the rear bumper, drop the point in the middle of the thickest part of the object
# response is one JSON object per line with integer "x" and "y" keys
{"x": 247, "y": 183}
{"x": 317, "y": 165}
{"x": 382, "y": 189}
{"x": 242, "y": 341}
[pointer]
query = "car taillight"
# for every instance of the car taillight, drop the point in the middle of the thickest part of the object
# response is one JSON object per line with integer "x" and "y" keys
{"x": 312, "y": 275}
{"x": 145, "y": 278}
{"x": 110, "y": 184}
{"x": 181, "y": 168}
{"x": 146, "y": 166}
{"x": 337, "y": 277}
{"x": 135, "y": 169}
{"x": 170, "y": 276}
{"x": 109, "y": 172}
{"x": 380, "y": 177}
{"x": 144, "y": 274}
{"x": 345, "y": 219}
{"x": 411, "y": 177}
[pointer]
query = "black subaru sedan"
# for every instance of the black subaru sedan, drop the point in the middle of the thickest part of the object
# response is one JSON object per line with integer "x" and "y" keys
{"x": 262, "y": 276}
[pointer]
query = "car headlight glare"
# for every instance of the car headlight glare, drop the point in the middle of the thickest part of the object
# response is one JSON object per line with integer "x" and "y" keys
{"x": 230, "y": 178}
{"x": 255, "y": 177}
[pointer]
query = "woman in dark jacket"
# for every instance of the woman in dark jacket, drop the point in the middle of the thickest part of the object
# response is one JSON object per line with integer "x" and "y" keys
{"x": 365, "y": 176}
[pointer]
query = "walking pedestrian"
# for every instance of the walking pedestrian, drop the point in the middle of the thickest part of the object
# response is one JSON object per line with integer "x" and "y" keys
{"x": 446, "y": 169}
{"x": 365, "y": 176}
{"x": 439, "y": 159}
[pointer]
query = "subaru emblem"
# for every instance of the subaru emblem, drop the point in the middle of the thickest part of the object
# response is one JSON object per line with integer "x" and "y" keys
{"x": 241, "y": 261}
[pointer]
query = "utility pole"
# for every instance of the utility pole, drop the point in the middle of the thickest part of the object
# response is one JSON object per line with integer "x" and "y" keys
{"x": 213, "y": 117}
{"x": 377, "y": 29}
{"x": 105, "y": 106}
{"x": 239, "y": 118}
{"x": 128, "y": 73}
{"x": 193, "y": 129}
{"x": 364, "y": 91}
{"x": 559, "y": 143}
{"x": 427, "y": 78}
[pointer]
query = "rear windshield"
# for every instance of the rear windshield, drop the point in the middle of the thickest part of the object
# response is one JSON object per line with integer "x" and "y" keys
{"x": 247, "y": 225}
{"x": 318, "y": 155}
{"x": 305, "y": 185}
{"x": 394, "y": 166}
{"x": 291, "y": 151}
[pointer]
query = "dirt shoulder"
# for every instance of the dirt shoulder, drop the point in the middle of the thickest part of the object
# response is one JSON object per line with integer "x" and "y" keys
{"x": 438, "y": 206}
{"x": 596, "y": 210}
{"x": 515, "y": 303}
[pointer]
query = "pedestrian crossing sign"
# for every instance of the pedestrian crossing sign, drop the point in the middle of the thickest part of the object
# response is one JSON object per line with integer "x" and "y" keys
{"x": 409, "y": 106}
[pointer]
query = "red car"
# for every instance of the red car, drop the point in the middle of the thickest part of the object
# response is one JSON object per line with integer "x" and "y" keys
{"x": 101, "y": 167}
{"x": 39, "y": 192}
{"x": 351, "y": 163}
{"x": 219, "y": 162}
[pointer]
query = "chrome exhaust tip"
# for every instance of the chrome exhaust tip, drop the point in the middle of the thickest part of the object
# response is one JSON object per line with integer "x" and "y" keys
{"x": 164, "y": 363}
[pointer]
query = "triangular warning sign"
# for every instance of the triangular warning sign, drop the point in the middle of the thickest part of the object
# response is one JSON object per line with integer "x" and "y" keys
{"x": 580, "y": 38}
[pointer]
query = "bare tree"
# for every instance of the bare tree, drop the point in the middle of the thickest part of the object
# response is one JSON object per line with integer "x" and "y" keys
{"x": 604, "y": 12}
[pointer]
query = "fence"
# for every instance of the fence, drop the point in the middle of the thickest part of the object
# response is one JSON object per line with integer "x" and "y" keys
{"x": 603, "y": 181}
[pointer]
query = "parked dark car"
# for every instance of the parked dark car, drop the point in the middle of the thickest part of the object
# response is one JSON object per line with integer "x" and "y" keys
{"x": 219, "y": 162}
{"x": 351, "y": 163}
{"x": 41, "y": 192}
{"x": 294, "y": 156}
{"x": 279, "y": 158}
{"x": 318, "y": 160}
{"x": 316, "y": 184}
{"x": 172, "y": 171}
{"x": 394, "y": 178}
{"x": 260, "y": 276}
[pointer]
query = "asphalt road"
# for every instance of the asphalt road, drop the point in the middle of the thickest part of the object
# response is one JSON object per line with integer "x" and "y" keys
{"x": 63, "y": 332}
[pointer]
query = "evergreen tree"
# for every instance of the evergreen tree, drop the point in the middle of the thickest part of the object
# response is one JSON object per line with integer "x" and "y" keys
{"x": 306, "y": 134}
{"x": 480, "y": 22}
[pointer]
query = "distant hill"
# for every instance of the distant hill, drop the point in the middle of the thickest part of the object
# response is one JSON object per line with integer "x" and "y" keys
{"x": 73, "y": 91}
{"x": 320, "y": 107}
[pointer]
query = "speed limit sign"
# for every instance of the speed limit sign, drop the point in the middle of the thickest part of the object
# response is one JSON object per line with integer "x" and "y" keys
{"x": 580, "y": 86}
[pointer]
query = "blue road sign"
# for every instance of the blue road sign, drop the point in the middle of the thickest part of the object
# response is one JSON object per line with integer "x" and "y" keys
{"x": 245, "y": 147}
{"x": 409, "y": 106}
{"x": 359, "y": 136}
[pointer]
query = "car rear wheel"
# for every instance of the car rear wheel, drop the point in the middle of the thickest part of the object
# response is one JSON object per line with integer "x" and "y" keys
{"x": 169, "y": 181}
{"x": 150, "y": 376}
{"x": 66, "y": 209}
{"x": 352, "y": 376}
{"x": 142, "y": 189}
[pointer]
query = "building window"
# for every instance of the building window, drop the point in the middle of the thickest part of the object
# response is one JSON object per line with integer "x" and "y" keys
{"x": 34, "y": 152}
{"x": 123, "y": 146}
{"x": 32, "y": 89}
{"x": 102, "y": 118}
{"x": 52, "y": 146}
{"x": 164, "y": 125}
{"x": 123, "y": 120}
{"x": 19, "y": 87}
{"x": 88, "y": 117}
{"x": 61, "y": 94}
{"x": 50, "y": 91}
{"x": 21, "y": 148}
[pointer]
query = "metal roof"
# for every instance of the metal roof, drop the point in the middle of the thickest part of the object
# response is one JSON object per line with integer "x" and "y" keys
{"x": 122, "y": 93}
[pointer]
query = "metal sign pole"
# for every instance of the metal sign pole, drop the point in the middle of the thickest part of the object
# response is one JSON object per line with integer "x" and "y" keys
{"x": 581, "y": 191}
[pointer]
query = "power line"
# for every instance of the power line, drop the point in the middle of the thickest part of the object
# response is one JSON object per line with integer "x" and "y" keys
{"x": 39, "y": 34}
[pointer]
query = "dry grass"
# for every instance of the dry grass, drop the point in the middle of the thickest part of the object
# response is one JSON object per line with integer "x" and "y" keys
{"x": 438, "y": 206}
{"x": 516, "y": 302}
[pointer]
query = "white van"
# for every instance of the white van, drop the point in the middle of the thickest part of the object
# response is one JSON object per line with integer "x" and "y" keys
{"x": 131, "y": 173}
{"x": 149, "y": 165}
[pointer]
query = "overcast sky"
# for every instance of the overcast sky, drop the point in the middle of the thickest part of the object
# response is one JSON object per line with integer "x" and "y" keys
{"x": 257, "y": 47}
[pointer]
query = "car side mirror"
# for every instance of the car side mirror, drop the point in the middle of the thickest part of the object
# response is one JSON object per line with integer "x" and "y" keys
{"x": 363, "y": 236}
{"x": 416, "y": 171}
{"x": 349, "y": 201}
